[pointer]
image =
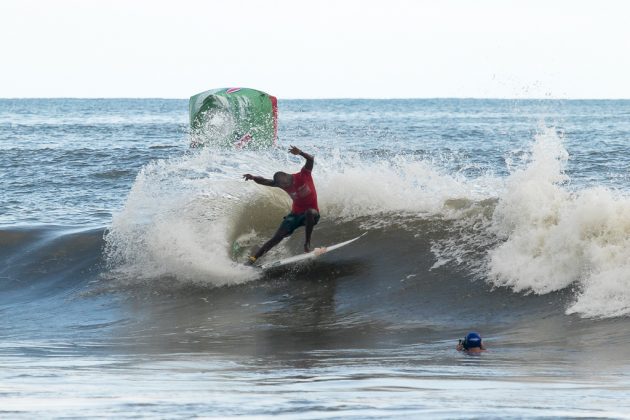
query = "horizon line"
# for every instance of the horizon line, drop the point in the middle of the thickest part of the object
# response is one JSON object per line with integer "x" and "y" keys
{"x": 533, "y": 98}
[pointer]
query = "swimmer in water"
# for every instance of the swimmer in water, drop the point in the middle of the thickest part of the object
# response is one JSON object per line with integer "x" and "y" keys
{"x": 471, "y": 343}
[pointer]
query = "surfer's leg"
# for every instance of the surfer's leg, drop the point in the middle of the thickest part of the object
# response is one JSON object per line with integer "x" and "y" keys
{"x": 311, "y": 219}
{"x": 275, "y": 240}
{"x": 280, "y": 234}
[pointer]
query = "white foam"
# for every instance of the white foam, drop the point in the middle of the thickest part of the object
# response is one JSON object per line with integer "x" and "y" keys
{"x": 182, "y": 214}
{"x": 350, "y": 187}
{"x": 176, "y": 221}
{"x": 554, "y": 238}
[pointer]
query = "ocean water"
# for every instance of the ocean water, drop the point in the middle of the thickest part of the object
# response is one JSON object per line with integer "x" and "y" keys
{"x": 120, "y": 297}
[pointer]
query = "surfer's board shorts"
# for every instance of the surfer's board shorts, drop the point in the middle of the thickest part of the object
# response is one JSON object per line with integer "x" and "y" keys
{"x": 293, "y": 221}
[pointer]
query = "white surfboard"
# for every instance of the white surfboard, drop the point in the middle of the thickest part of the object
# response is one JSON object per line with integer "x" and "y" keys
{"x": 317, "y": 252}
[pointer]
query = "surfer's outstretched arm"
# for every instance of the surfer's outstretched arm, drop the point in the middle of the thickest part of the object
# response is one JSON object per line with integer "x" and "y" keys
{"x": 310, "y": 159}
{"x": 260, "y": 180}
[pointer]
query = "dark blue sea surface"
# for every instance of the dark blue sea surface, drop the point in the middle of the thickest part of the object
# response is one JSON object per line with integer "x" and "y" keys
{"x": 122, "y": 292}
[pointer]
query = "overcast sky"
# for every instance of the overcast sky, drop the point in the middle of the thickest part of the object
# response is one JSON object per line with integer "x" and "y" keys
{"x": 316, "y": 49}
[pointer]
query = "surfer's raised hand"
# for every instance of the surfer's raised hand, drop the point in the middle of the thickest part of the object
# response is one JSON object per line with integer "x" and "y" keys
{"x": 248, "y": 177}
{"x": 309, "y": 158}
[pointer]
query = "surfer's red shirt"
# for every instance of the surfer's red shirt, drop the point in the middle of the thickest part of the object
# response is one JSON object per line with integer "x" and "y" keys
{"x": 302, "y": 192}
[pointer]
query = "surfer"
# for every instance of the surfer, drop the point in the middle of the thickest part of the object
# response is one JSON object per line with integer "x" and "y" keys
{"x": 471, "y": 343}
{"x": 304, "y": 211}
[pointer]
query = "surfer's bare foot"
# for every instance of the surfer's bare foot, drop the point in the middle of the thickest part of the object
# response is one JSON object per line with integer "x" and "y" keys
{"x": 307, "y": 247}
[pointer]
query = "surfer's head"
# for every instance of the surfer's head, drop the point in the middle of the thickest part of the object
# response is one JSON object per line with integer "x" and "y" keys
{"x": 472, "y": 340}
{"x": 282, "y": 179}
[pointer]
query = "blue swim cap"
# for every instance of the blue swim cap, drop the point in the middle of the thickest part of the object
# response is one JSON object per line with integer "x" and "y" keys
{"x": 472, "y": 340}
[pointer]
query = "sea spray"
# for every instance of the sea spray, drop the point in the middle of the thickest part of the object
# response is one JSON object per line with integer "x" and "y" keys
{"x": 553, "y": 238}
{"x": 175, "y": 222}
{"x": 528, "y": 208}
{"x": 402, "y": 185}
{"x": 183, "y": 214}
